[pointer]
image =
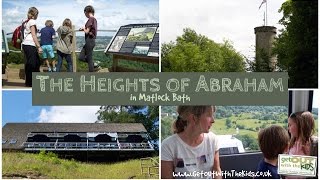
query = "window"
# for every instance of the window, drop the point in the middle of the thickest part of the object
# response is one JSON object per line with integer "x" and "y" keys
{"x": 4, "y": 141}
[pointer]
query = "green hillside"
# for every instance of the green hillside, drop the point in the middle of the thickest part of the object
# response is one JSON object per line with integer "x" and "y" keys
{"x": 48, "y": 166}
{"x": 248, "y": 119}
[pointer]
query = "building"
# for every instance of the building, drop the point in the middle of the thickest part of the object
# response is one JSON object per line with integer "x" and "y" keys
{"x": 265, "y": 37}
{"x": 78, "y": 139}
{"x": 228, "y": 144}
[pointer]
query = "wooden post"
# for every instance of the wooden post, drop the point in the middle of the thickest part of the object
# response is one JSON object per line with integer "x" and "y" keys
{"x": 74, "y": 43}
{"x": 115, "y": 62}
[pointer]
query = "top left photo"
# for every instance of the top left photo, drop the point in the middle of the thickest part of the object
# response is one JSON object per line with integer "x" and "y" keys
{"x": 78, "y": 36}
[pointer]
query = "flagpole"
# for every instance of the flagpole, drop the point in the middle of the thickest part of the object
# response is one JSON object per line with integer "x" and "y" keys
{"x": 266, "y": 12}
{"x": 264, "y": 18}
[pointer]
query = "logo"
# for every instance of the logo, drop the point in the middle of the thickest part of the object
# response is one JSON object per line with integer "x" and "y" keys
{"x": 297, "y": 165}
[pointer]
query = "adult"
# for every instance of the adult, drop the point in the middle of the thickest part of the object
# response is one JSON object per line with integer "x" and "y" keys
{"x": 192, "y": 148}
{"x": 31, "y": 46}
{"x": 90, "y": 30}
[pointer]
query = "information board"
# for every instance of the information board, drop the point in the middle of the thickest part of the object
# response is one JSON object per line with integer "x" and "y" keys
{"x": 5, "y": 47}
{"x": 136, "y": 40}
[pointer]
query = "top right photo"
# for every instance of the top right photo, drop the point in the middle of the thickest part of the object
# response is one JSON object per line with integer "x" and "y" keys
{"x": 242, "y": 36}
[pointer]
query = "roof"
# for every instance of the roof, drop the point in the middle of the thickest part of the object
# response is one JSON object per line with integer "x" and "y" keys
{"x": 226, "y": 141}
{"x": 19, "y": 131}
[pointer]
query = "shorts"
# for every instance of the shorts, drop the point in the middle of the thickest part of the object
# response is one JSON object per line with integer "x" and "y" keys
{"x": 47, "y": 51}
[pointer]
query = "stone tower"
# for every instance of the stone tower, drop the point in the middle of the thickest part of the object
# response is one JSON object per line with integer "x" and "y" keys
{"x": 264, "y": 39}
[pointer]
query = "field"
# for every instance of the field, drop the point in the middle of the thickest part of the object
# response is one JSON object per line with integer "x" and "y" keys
{"x": 242, "y": 122}
{"x": 40, "y": 166}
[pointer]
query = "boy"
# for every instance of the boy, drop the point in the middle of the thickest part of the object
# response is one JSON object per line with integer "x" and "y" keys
{"x": 273, "y": 141}
{"x": 47, "y": 33}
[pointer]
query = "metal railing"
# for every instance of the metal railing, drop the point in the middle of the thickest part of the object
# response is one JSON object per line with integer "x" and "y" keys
{"x": 86, "y": 146}
{"x": 73, "y": 49}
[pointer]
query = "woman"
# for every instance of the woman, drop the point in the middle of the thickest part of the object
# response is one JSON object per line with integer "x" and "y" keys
{"x": 192, "y": 148}
{"x": 31, "y": 46}
{"x": 64, "y": 44}
{"x": 90, "y": 30}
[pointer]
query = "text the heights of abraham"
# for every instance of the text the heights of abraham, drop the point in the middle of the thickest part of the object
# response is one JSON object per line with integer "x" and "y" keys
{"x": 202, "y": 83}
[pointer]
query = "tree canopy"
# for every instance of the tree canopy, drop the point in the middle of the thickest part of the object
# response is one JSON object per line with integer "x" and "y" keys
{"x": 297, "y": 45}
{"x": 194, "y": 52}
{"x": 147, "y": 115}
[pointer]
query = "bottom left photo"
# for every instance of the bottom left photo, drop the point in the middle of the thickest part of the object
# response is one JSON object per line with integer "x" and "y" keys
{"x": 75, "y": 142}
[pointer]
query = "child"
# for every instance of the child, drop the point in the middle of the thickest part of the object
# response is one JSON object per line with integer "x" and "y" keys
{"x": 64, "y": 42}
{"x": 273, "y": 141}
{"x": 90, "y": 30}
{"x": 301, "y": 127}
{"x": 47, "y": 33}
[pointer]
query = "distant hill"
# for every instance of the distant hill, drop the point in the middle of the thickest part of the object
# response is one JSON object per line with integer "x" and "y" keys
{"x": 101, "y": 42}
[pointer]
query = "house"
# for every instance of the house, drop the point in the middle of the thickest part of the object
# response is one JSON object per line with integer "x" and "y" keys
{"x": 96, "y": 139}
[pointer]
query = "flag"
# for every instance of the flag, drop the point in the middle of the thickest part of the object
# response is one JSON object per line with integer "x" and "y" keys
{"x": 264, "y": 1}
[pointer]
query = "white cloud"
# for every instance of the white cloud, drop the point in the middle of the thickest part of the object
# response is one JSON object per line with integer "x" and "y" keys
{"x": 69, "y": 114}
{"x": 218, "y": 20}
{"x": 85, "y": 2}
{"x": 13, "y": 12}
{"x": 109, "y": 14}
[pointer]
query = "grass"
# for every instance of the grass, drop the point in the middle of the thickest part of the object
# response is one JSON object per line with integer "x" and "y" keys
{"x": 16, "y": 66}
{"x": 38, "y": 166}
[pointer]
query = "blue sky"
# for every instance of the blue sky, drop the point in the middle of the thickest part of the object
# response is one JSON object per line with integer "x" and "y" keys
{"x": 17, "y": 107}
{"x": 110, "y": 14}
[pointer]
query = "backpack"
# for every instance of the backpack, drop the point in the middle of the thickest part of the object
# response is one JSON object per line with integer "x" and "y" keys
{"x": 18, "y": 35}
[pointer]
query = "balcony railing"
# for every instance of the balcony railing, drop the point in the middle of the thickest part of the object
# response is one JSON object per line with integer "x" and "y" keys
{"x": 86, "y": 146}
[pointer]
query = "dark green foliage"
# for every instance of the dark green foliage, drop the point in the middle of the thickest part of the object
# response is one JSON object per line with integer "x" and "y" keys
{"x": 166, "y": 124}
{"x": 261, "y": 64}
{"x": 228, "y": 123}
{"x": 147, "y": 115}
{"x": 16, "y": 58}
{"x": 194, "y": 52}
{"x": 248, "y": 142}
{"x": 297, "y": 45}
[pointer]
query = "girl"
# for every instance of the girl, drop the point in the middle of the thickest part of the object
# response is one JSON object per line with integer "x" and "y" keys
{"x": 301, "y": 127}
{"x": 192, "y": 147}
{"x": 64, "y": 44}
{"x": 90, "y": 30}
{"x": 31, "y": 46}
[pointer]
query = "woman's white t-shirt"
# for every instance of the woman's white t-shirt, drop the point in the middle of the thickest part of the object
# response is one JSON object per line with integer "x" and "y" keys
{"x": 28, "y": 40}
{"x": 190, "y": 162}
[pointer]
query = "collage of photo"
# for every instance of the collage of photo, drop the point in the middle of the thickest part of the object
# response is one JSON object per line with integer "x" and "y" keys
{"x": 157, "y": 140}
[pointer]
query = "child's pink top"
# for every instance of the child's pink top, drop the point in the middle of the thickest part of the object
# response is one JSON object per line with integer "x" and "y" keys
{"x": 297, "y": 149}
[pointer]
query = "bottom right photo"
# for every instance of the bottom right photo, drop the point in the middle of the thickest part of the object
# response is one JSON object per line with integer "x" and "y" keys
{"x": 236, "y": 142}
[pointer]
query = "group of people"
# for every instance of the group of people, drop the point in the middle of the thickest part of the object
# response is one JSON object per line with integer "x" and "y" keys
{"x": 192, "y": 151}
{"x": 32, "y": 47}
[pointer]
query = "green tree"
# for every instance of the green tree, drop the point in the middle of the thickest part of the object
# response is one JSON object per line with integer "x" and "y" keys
{"x": 248, "y": 142}
{"x": 297, "y": 45}
{"x": 147, "y": 115}
{"x": 228, "y": 123}
{"x": 194, "y": 52}
{"x": 261, "y": 64}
